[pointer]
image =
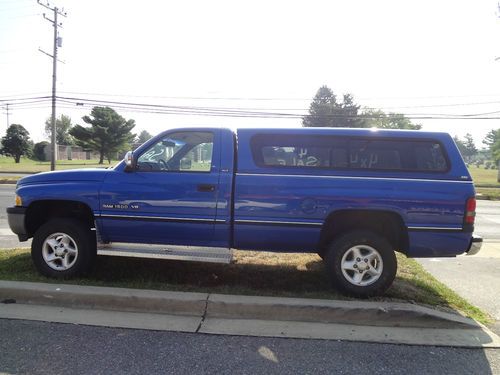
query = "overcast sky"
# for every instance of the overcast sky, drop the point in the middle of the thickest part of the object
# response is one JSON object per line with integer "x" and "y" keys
{"x": 414, "y": 57}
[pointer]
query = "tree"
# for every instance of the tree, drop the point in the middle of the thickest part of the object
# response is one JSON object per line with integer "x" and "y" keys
{"x": 461, "y": 146}
{"x": 495, "y": 151}
{"x": 143, "y": 137}
{"x": 63, "y": 125}
{"x": 492, "y": 137}
{"x": 466, "y": 147}
{"x": 16, "y": 142}
{"x": 492, "y": 141}
{"x": 39, "y": 150}
{"x": 376, "y": 118}
{"x": 470, "y": 147}
{"x": 325, "y": 110}
{"x": 108, "y": 132}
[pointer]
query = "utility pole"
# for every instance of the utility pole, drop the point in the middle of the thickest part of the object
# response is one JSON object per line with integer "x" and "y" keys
{"x": 57, "y": 43}
{"x": 7, "y": 113}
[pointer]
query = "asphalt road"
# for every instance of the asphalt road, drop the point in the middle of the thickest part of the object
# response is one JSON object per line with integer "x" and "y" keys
{"x": 7, "y": 238}
{"x": 488, "y": 220}
{"x": 52, "y": 348}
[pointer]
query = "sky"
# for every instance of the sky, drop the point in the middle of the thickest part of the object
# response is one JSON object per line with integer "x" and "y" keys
{"x": 414, "y": 57}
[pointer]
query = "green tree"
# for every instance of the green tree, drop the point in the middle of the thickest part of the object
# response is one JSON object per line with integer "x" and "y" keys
{"x": 39, "y": 150}
{"x": 143, "y": 137}
{"x": 63, "y": 125}
{"x": 108, "y": 132}
{"x": 492, "y": 137}
{"x": 470, "y": 147}
{"x": 326, "y": 111}
{"x": 495, "y": 151}
{"x": 376, "y": 118}
{"x": 16, "y": 142}
{"x": 492, "y": 141}
{"x": 466, "y": 147}
{"x": 461, "y": 146}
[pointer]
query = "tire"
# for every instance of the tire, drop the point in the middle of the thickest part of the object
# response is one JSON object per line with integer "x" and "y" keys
{"x": 63, "y": 248}
{"x": 361, "y": 264}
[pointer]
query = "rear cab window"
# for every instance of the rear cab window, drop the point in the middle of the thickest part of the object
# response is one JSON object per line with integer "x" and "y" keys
{"x": 349, "y": 153}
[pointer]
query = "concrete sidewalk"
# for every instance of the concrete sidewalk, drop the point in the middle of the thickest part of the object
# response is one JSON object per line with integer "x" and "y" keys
{"x": 476, "y": 277}
{"x": 384, "y": 322}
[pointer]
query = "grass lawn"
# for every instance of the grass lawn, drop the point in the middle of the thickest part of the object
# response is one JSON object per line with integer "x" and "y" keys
{"x": 489, "y": 193}
{"x": 26, "y": 165}
{"x": 6, "y": 179}
{"x": 486, "y": 182}
{"x": 484, "y": 177}
{"x": 251, "y": 273}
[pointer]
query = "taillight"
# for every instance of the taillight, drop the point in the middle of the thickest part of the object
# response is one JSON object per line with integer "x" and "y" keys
{"x": 470, "y": 211}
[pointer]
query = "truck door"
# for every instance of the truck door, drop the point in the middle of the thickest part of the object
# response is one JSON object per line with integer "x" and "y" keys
{"x": 171, "y": 195}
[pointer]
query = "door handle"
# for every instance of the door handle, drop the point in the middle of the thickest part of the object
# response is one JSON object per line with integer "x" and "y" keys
{"x": 206, "y": 188}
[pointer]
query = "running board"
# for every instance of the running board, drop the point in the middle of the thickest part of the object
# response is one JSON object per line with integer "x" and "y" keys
{"x": 190, "y": 253}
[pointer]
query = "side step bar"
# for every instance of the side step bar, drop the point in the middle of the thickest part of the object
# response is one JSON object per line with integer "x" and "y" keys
{"x": 190, "y": 253}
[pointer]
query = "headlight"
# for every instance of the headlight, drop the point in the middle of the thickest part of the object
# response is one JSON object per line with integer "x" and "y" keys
{"x": 19, "y": 201}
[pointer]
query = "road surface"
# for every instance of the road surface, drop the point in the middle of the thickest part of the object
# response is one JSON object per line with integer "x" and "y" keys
{"x": 52, "y": 348}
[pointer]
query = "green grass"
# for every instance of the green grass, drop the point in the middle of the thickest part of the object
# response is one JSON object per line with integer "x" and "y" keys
{"x": 484, "y": 177}
{"x": 31, "y": 166}
{"x": 252, "y": 273}
{"x": 488, "y": 193}
{"x": 486, "y": 182}
{"x": 5, "y": 179}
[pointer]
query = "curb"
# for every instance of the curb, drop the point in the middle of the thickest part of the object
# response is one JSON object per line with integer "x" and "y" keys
{"x": 205, "y": 305}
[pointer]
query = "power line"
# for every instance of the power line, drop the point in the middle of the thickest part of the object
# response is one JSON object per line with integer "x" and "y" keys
{"x": 7, "y": 113}
{"x": 29, "y": 103}
{"x": 298, "y": 99}
{"x": 283, "y": 99}
{"x": 20, "y": 100}
{"x": 210, "y": 111}
{"x": 370, "y": 108}
{"x": 243, "y": 98}
{"x": 25, "y": 95}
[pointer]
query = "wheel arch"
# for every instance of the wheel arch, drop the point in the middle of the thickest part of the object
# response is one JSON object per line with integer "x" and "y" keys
{"x": 39, "y": 212}
{"x": 387, "y": 223}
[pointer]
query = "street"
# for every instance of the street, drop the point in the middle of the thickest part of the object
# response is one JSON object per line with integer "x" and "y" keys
{"x": 488, "y": 220}
{"x": 7, "y": 238}
{"x": 52, "y": 348}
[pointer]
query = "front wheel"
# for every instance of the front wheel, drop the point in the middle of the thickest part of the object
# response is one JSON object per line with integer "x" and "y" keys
{"x": 361, "y": 264}
{"x": 63, "y": 248}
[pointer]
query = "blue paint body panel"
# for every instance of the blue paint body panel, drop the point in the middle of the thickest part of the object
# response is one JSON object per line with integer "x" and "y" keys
{"x": 80, "y": 185}
{"x": 275, "y": 208}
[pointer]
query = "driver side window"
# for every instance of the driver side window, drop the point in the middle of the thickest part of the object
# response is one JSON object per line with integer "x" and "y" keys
{"x": 179, "y": 152}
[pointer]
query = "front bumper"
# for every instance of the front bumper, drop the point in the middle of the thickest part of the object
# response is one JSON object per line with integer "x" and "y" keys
{"x": 475, "y": 245}
{"x": 16, "y": 217}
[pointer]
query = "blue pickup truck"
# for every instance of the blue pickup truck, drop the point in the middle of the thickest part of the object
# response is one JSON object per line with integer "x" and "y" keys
{"x": 353, "y": 196}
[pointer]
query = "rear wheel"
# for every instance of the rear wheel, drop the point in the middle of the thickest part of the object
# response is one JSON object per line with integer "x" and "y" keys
{"x": 63, "y": 248}
{"x": 361, "y": 264}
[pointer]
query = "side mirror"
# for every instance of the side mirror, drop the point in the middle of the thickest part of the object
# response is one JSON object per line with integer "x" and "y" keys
{"x": 129, "y": 161}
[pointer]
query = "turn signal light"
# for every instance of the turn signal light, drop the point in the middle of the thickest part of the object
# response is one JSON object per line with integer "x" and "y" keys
{"x": 19, "y": 201}
{"x": 470, "y": 211}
